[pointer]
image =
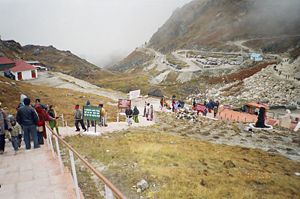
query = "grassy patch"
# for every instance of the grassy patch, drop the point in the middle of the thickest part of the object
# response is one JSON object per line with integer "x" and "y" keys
{"x": 64, "y": 100}
{"x": 181, "y": 167}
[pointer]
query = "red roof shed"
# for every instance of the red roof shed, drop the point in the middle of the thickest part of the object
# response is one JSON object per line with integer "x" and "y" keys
{"x": 22, "y": 66}
{"x": 5, "y": 60}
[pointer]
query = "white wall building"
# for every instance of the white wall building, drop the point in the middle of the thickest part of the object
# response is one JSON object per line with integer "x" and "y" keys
{"x": 24, "y": 71}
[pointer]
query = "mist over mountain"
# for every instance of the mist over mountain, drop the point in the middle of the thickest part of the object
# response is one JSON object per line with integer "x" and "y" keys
{"x": 212, "y": 23}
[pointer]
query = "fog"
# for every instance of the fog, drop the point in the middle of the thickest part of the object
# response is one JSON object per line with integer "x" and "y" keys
{"x": 97, "y": 30}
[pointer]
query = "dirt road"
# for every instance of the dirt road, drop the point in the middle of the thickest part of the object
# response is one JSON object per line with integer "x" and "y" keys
{"x": 59, "y": 80}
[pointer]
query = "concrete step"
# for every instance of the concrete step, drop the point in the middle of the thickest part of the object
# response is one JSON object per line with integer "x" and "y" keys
{"x": 33, "y": 174}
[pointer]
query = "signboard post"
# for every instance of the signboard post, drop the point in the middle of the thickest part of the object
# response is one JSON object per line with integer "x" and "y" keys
{"x": 92, "y": 113}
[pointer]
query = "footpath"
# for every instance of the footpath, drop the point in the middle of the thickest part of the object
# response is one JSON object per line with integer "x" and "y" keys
{"x": 33, "y": 174}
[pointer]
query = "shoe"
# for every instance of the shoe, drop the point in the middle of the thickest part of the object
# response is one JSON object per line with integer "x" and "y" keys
{"x": 84, "y": 130}
{"x": 77, "y": 130}
{"x": 15, "y": 153}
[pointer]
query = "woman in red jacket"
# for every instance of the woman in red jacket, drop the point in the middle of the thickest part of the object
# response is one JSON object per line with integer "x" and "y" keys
{"x": 43, "y": 117}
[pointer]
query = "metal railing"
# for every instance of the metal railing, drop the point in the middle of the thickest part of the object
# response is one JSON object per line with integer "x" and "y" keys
{"x": 110, "y": 190}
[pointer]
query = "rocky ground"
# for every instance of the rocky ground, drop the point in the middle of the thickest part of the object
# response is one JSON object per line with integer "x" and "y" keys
{"x": 269, "y": 86}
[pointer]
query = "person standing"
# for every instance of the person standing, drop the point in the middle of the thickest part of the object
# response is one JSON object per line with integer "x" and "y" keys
{"x": 53, "y": 123}
{"x": 216, "y": 108}
{"x": 28, "y": 118}
{"x": 128, "y": 113}
{"x": 136, "y": 113}
{"x": 148, "y": 111}
{"x": 15, "y": 131}
{"x": 41, "y": 124}
{"x": 88, "y": 103}
{"x": 151, "y": 113}
{"x": 145, "y": 107}
{"x": 194, "y": 103}
{"x": 173, "y": 103}
{"x": 102, "y": 116}
{"x": 78, "y": 118}
{"x": 3, "y": 126}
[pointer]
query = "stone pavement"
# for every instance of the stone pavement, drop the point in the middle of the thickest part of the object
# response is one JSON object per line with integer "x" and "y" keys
{"x": 112, "y": 127}
{"x": 33, "y": 174}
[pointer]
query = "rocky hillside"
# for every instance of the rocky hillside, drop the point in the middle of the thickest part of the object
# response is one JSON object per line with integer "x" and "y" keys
{"x": 212, "y": 23}
{"x": 56, "y": 60}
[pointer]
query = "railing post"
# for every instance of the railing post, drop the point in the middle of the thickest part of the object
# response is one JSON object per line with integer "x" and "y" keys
{"x": 108, "y": 193}
{"x": 74, "y": 174}
{"x": 48, "y": 137}
{"x": 63, "y": 120}
{"x": 59, "y": 156}
{"x": 51, "y": 145}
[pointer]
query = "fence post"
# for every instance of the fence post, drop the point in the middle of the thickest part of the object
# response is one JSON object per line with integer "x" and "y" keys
{"x": 108, "y": 193}
{"x": 63, "y": 120}
{"x": 51, "y": 144}
{"x": 48, "y": 138}
{"x": 74, "y": 174}
{"x": 59, "y": 156}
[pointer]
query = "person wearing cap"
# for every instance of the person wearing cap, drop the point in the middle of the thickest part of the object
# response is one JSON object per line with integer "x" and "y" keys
{"x": 78, "y": 118}
{"x": 3, "y": 127}
{"x": 27, "y": 117}
{"x": 15, "y": 131}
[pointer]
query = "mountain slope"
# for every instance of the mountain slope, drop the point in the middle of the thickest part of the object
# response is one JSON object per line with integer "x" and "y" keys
{"x": 56, "y": 60}
{"x": 212, "y": 23}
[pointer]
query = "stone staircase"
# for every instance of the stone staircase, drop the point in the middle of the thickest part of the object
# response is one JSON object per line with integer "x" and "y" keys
{"x": 33, "y": 174}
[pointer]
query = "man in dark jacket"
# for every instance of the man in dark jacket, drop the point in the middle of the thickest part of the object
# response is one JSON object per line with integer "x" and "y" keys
{"x": 3, "y": 127}
{"x": 129, "y": 114}
{"x": 28, "y": 118}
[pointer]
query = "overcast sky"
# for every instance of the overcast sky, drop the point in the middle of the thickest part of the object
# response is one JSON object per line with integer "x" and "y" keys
{"x": 96, "y": 30}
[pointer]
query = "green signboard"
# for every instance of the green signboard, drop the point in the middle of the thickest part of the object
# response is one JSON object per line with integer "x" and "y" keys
{"x": 91, "y": 113}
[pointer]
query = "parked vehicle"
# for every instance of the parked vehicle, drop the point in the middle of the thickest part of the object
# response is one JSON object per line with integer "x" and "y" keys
{"x": 9, "y": 75}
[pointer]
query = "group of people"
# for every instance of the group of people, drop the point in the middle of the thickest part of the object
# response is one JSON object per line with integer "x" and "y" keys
{"x": 79, "y": 118}
{"x": 133, "y": 114}
{"x": 28, "y": 124}
{"x": 148, "y": 111}
{"x": 208, "y": 107}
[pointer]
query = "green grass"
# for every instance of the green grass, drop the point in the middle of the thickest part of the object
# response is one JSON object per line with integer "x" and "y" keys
{"x": 182, "y": 167}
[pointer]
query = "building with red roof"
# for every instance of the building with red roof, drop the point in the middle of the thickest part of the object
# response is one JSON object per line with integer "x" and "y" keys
{"x": 24, "y": 71}
{"x": 6, "y": 64}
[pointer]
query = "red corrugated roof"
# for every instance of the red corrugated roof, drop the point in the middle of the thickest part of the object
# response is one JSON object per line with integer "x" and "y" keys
{"x": 22, "y": 66}
{"x": 5, "y": 60}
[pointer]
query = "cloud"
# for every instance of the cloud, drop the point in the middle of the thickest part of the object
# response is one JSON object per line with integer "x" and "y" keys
{"x": 95, "y": 29}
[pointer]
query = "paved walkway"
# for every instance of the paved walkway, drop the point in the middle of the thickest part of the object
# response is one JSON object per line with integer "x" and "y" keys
{"x": 33, "y": 174}
{"x": 112, "y": 127}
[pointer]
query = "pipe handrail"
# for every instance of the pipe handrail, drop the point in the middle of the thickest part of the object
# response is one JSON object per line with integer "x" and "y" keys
{"x": 117, "y": 193}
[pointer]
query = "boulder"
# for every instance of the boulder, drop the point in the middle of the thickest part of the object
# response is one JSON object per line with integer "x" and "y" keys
{"x": 142, "y": 185}
{"x": 228, "y": 164}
